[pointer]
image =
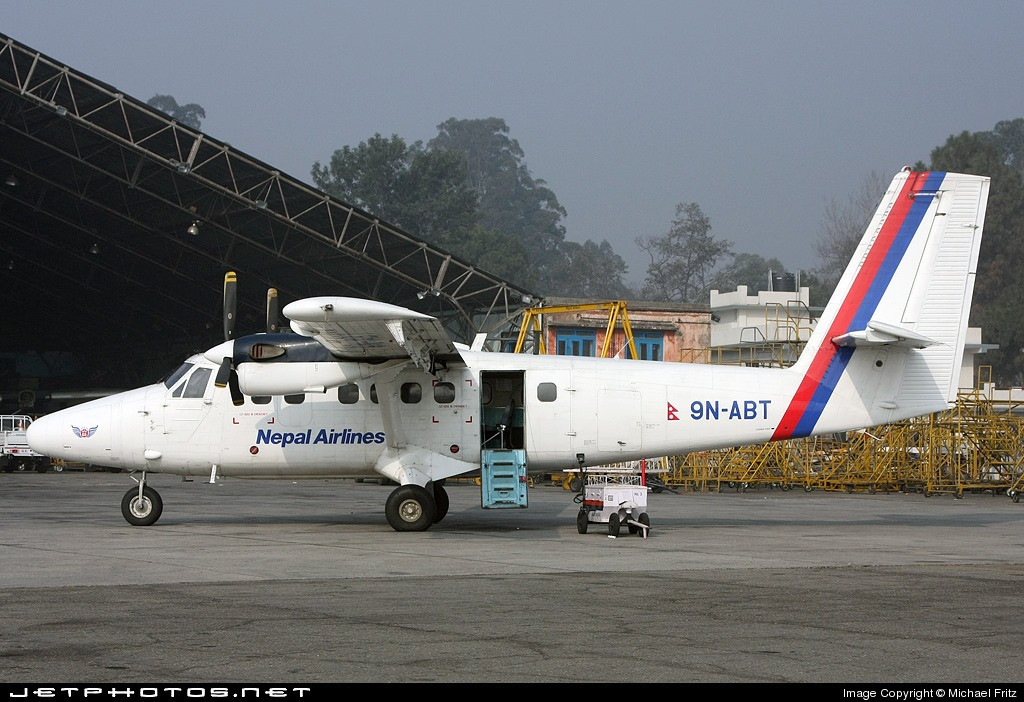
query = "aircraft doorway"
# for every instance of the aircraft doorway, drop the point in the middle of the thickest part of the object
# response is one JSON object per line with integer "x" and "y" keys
{"x": 501, "y": 409}
{"x": 503, "y": 475}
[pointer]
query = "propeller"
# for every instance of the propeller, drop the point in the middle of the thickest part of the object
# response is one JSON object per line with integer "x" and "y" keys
{"x": 230, "y": 302}
{"x": 226, "y": 375}
{"x": 272, "y": 313}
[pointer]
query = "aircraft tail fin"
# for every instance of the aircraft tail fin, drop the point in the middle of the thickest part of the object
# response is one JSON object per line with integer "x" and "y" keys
{"x": 889, "y": 344}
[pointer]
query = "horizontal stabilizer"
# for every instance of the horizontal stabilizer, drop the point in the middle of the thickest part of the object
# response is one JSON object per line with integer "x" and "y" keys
{"x": 882, "y": 334}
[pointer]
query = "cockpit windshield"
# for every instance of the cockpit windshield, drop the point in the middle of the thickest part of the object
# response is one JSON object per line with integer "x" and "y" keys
{"x": 176, "y": 375}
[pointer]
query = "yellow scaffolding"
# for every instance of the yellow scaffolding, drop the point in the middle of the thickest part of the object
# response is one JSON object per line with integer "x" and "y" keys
{"x": 616, "y": 311}
{"x": 974, "y": 446}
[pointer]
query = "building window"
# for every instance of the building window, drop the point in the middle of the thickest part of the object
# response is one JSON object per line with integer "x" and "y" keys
{"x": 649, "y": 345}
{"x": 576, "y": 342}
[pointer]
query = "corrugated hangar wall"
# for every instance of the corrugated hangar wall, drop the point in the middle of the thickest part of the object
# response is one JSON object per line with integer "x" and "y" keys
{"x": 119, "y": 225}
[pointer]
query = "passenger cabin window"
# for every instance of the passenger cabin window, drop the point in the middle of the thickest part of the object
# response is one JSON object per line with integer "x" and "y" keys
{"x": 348, "y": 394}
{"x": 296, "y": 399}
{"x": 444, "y": 393}
{"x": 411, "y": 393}
{"x": 373, "y": 393}
{"x": 261, "y": 399}
{"x": 547, "y": 392}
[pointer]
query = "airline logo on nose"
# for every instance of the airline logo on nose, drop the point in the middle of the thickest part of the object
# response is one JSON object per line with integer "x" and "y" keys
{"x": 84, "y": 433}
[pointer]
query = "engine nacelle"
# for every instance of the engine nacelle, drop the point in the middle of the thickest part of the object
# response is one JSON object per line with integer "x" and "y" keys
{"x": 292, "y": 378}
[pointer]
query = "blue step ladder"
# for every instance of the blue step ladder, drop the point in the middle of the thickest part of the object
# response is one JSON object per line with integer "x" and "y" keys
{"x": 503, "y": 481}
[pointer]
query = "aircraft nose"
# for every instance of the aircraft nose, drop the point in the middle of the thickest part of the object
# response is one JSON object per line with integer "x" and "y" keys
{"x": 42, "y": 436}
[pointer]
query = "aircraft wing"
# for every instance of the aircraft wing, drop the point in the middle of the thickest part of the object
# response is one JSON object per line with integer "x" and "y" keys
{"x": 354, "y": 329}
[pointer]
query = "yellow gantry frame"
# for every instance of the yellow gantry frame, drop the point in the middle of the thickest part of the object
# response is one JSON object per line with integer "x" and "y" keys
{"x": 616, "y": 311}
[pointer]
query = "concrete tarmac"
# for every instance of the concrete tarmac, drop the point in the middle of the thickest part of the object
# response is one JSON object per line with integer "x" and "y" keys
{"x": 305, "y": 582}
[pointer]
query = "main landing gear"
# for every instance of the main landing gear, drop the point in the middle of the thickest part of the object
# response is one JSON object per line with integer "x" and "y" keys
{"x": 415, "y": 508}
{"x": 409, "y": 507}
{"x": 142, "y": 505}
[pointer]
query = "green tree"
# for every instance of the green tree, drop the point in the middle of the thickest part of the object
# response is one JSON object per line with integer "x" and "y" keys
{"x": 843, "y": 227}
{"x": 423, "y": 192}
{"x": 684, "y": 259}
{"x": 511, "y": 200}
{"x": 748, "y": 269}
{"x": 1008, "y": 139}
{"x": 498, "y": 253}
{"x": 999, "y": 286}
{"x": 470, "y": 192}
{"x": 191, "y": 115}
{"x": 589, "y": 270}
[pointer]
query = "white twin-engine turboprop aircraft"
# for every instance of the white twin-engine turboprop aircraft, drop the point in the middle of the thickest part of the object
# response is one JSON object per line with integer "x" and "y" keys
{"x": 364, "y": 389}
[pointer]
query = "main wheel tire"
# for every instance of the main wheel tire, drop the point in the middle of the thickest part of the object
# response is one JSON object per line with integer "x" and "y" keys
{"x": 581, "y": 521}
{"x": 410, "y": 508}
{"x": 144, "y": 511}
{"x": 441, "y": 503}
{"x": 613, "y": 525}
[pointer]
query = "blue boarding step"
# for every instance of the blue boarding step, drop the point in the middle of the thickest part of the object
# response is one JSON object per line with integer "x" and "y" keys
{"x": 503, "y": 481}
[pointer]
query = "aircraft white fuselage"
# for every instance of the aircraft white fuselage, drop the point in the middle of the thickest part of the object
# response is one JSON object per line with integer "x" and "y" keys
{"x": 365, "y": 389}
{"x": 609, "y": 411}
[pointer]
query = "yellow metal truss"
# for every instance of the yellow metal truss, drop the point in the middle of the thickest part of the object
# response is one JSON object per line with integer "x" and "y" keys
{"x": 616, "y": 312}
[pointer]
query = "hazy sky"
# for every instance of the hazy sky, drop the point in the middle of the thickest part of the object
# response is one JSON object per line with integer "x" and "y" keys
{"x": 759, "y": 111}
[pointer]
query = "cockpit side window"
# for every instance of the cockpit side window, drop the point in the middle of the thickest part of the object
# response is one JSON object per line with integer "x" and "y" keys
{"x": 197, "y": 382}
{"x": 177, "y": 374}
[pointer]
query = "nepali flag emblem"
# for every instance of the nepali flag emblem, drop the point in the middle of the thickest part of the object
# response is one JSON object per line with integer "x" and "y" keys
{"x": 84, "y": 433}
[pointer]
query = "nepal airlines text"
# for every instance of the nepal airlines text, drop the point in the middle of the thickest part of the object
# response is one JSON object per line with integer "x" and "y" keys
{"x": 323, "y": 436}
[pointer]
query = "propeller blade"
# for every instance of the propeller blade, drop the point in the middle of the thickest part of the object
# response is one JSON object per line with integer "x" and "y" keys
{"x": 224, "y": 373}
{"x": 237, "y": 398}
{"x": 230, "y": 302}
{"x": 272, "y": 315}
